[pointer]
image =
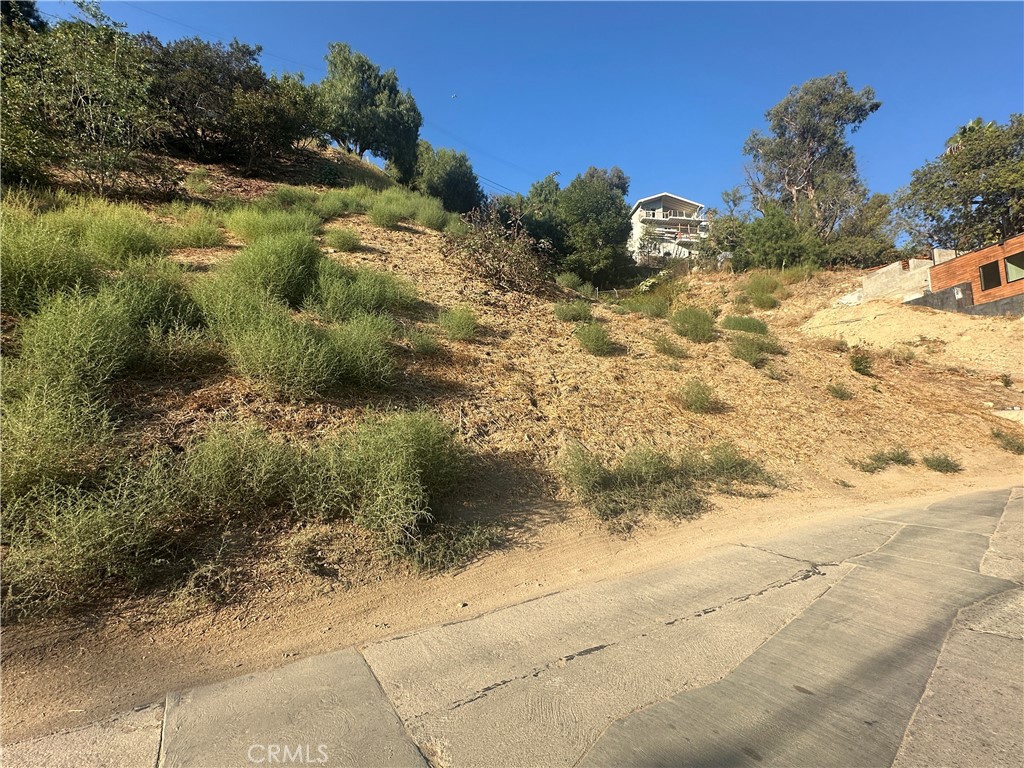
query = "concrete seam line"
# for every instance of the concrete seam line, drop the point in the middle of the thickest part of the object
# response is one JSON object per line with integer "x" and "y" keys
{"x": 171, "y": 701}
{"x": 931, "y": 527}
{"x": 394, "y": 709}
{"x": 941, "y": 565}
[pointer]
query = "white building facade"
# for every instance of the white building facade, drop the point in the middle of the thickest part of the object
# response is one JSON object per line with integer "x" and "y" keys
{"x": 678, "y": 226}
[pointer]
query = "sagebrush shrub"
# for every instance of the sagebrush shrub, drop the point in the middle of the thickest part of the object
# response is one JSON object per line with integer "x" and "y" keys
{"x": 459, "y": 323}
{"x": 754, "y": 348}
{"x": 694, "y": 323}
{"x": 250, "y": 223}
{"x": 747, "y": 324}
{"x": 571, "y": 312}
{"x": 284, "y": 266}
{"x": 595, "y": 339}
{"x": 346, "y": 239}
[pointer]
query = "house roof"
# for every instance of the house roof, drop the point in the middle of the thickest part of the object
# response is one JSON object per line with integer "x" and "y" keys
{"x": 663, "y": 194}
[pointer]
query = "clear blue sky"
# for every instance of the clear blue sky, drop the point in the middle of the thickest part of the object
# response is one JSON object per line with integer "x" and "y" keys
{"x": 667, "y": 91}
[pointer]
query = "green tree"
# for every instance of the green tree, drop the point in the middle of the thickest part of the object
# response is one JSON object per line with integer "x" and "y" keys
{"x": 366, "y": 111}
{"x": 198, "y": 83}
{"x": 595, "y": 216}
{"x": 449, "y": 176}
{"x": 613, "y": 177}
{"x": 865, "y": 238}
{"x": 268, "y": 121}
{"x": 78, "y": 95}
{"x": 775, "y": 241}
{"x": 972, "y": 195}
{"x": 805, "y": 165}
{"x": 13, "y": 12}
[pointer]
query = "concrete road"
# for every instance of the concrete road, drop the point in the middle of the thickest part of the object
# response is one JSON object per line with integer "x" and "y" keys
{"x": 894, "y": 640}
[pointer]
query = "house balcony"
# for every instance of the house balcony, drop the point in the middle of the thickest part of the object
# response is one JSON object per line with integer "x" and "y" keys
{"x": 670, "y": 215}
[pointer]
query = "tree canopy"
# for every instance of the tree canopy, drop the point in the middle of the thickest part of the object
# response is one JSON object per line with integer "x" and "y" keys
{"x": 805, "y": 165}
{"x": 449, "y": 176}
{"x": 366, "y": 112}
{"x": 972, "y": 194}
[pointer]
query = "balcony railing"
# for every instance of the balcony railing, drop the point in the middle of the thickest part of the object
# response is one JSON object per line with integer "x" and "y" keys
{"x": 664, "y": 213}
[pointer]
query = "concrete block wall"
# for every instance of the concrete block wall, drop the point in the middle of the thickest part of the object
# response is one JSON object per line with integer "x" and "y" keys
{"x": 897, "y": 281}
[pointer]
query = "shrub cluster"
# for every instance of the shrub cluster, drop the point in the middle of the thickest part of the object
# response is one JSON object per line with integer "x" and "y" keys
{"x": 880, "y": 460}
{"x": 754, "y": 348}
{"x": 645, "y": 478}
{"x": 147, "y": 522}
{"x": 573, "y": 312}
{"x": 595, "y": 339}
{"x": 499, "y": 252}
{"x": 694, "y": 323}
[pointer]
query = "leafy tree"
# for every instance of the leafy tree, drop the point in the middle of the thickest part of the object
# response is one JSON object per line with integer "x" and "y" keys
{"x": 269, "y": 120}
{"x": 198, "y": 82}
{"x": 806, "y": 166}
{"x": 25, "y": 12}
{"x": 972, "y": 194}
{"x": 864, "y": 239}
{"x": 78, "y": 95}
{"x": 775, "y": 241}
{"x": 647, "y": 247}
{"x": 595, "y": 216}
{"x": 613, "y": 177}
{"x": 366, "y": 111}
{"x": 448, "y": 175}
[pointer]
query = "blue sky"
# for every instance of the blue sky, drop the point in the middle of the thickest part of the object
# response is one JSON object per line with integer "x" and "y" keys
{"x": 667, "y": 91}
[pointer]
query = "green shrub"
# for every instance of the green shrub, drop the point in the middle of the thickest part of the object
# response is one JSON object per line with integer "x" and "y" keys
{"x": 699, "y": 397}
{"x": 285, "y": 266}
{"x": 646, "y": 304}
{"x": 694, "y": 323}
{"x": 747, "y": 324}
{"x": 569, "y": 280}
{"x": 754, "y": 349}
{"x": 572, "y": 312}
{"x": 1008, "y": 441}
{"x": 840, "y": 392}
{"x": 940, "y": 462}
{"x": 862, "y": 362}
{"x": 198, "y": 181}
{"x": 880, "y": 460}
{"x": 764, "y": 301}
{"x": 38, "y": 260}
{"x": 445, "y": 546}
{"x": 386, "y": 214}
{"x": 158, "y": 293}
{"x": 346, "y": 239}
{"x": 595, "y": 339}
{"x": 80, "y": 341}
{"x": 197, "y": 227}
{"x": 251, "y": 224}
{"x": 761, "y": 283}
{"x": 423, "y": 343}
{"x": 363, "y": 351}
{"x": 801, "y": 273}
{"x": 52, "y": 434}
{"x": 666, "y": 346}
{"x": 726, "y": 466}
{"x": 357, "y": 199}
{"x": 287, "y": 198}
{"x": 459, "y": 323}
{"x": 431, "y": 214}
{"x": 344, "y": 291}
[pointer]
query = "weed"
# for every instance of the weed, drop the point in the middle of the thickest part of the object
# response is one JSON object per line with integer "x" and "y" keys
{"x": 346, "y": 239}
{"x": 459, "y": 323}
{"x": 761, "y": 283}
{"x": 569, "y": 280}
{"x": 748, "y": 324}
{"x": 431, "y": 214}
{"x": 447, "y": 546}
{"x": 1009, "y": 441}
{"x": 647, "y": 305}
{"x": 283, "y": 265}
{"x": 666, "y": 346}
{"x": 940, "y": 462}
{"x": 197, "y": 227}
{"x": 37, "y": 261}
{"x": 423, "y": 343}
{"x": 694, "y": 323}
{"x": 198, "y": 181}
{"x": 699, "y": 397}
{"x": 835, "y": 345}
{"x": 1006, "y": 380}
{"x": 387, "y": 214}
{"x": 840, "y": 391}
{"x": 287, "y": 198}
{"x": 764, "y": 301}
{"x": 573, "y": 312}
{"x": 362, "y": 349}
{"x": 754, "y": 349}
{"x": 344, "y": 291}
{"x": 901, "y": 355}
{"x": 336, "y": 202}
{"x": 862, "y": 361}
{"x": 251, "y": 223}
{"x": 880, "y": 460}
{"x": 800, "y": 273}
{"x": 595, "y": 339}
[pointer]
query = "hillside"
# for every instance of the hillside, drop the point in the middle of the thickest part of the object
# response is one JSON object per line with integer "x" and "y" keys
{"x": 515, "y": 396}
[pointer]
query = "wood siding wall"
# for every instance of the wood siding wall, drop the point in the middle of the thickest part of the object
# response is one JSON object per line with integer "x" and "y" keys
{"x": 964, "y": 269}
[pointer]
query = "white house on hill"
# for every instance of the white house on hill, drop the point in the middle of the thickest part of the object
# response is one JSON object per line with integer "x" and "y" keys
{"x": 677, "y": 223}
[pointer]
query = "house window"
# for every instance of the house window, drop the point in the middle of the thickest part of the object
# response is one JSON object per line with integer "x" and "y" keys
{"x": 1015, "y": 267}
{"x": 990, "y": 276}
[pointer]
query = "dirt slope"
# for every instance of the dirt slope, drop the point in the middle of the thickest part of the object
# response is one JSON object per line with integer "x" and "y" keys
{"x": 515, "y": 395}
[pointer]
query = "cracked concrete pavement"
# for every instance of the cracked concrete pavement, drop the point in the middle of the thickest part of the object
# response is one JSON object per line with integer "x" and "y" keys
{"x": 887, "y": 640}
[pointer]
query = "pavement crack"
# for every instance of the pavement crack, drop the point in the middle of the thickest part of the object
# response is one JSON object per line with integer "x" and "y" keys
{"x": 814, "y": 569}
{"x": 535, "y": 672}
